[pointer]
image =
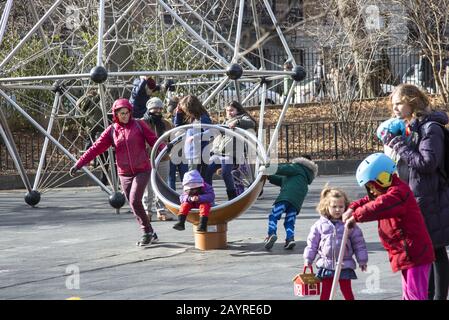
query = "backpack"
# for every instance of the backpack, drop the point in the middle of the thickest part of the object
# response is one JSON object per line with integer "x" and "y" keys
{"x": 113, "y": 129}
{"x": 445, "y": 170}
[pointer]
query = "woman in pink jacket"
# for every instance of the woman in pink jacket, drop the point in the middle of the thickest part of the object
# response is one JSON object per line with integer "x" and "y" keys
{"x": 128, "y": 135}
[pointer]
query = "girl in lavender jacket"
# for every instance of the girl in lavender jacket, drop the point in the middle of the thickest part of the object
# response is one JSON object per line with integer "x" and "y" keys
{"x": 325, "y": 239}
{"x": 197, "y": 194}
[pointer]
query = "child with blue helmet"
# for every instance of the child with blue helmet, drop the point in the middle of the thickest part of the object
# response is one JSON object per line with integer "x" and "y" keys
{"x": 402, "y": 229}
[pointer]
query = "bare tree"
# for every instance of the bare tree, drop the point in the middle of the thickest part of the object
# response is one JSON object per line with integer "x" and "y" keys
{"x": 352, "y": 46}
{"x": 428, "y": 24}
{"x": 351, "y": 41}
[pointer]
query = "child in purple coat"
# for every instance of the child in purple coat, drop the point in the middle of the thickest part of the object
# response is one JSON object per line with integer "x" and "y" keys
{"x": 197, "y": 194}
{"x": 325, "y": 239}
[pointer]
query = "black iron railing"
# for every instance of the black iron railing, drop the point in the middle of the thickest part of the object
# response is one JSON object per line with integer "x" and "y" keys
{"x": 320, "y": 140}
{"x": 326, "y": 140}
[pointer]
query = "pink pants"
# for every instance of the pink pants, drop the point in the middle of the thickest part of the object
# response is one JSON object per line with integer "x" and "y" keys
{"x": 415, "y": 282}
{"x": 133, "y": 187}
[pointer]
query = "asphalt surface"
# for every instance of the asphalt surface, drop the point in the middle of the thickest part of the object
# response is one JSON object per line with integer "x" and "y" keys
{"x": 74, "y": 245}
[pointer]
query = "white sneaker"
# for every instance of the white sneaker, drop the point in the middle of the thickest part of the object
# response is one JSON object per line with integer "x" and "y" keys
{"x": 269, "y": 241}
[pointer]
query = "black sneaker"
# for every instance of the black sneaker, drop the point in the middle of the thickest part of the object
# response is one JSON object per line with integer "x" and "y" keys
{"x": 289, "y": 244}
{"x": 147, "y": 239}
{"x": 269, "y": 241}
{"x": 155, "y": 238}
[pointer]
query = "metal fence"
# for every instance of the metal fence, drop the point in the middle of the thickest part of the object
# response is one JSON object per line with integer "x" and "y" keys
{"x": 320, "y": 140}
{"x": 326, "y": 140}
{"x": 29, "y": 145}
{"x": 398, "y": 60}
{"x": 389, "y": 67}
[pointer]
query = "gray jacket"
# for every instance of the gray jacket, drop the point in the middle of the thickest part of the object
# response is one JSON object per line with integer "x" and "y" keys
{"x": 226, "y": 145}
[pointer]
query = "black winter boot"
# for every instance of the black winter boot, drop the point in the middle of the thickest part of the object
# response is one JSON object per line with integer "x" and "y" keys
{"x": 181, "y": 224}
{"x": 231, "y": 194}
{"x": 202, "y": 226}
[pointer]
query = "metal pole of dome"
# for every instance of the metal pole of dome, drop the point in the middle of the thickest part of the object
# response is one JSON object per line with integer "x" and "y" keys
{"x": 262, "y": 65}
{"x": 100, "y": 33}
{"x": 273, "y": 141}
{"x": 257, "y": 28}
{"x": 79, "y": 76}
{"x": 54, "y": 112}
{"x": 48, "y": 87}
{"x": 237, "y": 91}
{"x": 217, "y": 89}
{"x": 279, "y": 32}
{"x": 266, "y": 73}
{"x": 238, "y": 34}
{"x": 261, "y": 118}
{"x": 86, "y": 76}
{"x": 41, "y": 33}
{"x": 251, "y": 93}
{"x": 4, "y": 19}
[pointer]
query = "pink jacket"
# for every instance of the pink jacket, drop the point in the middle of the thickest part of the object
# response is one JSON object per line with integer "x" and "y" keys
{"x": 129, "y": 141}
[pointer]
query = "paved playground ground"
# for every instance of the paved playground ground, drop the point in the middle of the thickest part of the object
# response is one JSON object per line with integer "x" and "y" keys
{"x": 74, "y": 245}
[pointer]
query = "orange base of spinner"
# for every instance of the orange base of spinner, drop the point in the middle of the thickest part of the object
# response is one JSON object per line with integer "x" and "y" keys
{"x": 214, "y": 238}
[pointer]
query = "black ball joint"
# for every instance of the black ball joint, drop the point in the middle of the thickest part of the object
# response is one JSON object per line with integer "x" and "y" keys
{"x": 33, "y": 197}
{"x": 98, "y": 74}
{"x": 117, "y": 200}
{"x": 234, "y": 71}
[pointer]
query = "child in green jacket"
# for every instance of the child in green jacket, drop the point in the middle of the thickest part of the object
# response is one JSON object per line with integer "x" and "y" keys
{"x": 294, "y": 179}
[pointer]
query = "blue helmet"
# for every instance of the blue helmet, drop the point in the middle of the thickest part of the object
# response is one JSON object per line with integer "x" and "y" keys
{"x": 395, "y": 126}
{"x": 377, "y": 167}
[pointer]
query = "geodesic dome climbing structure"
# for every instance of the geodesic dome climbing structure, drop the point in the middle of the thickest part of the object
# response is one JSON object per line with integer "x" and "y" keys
{"x": 53, "y": 53}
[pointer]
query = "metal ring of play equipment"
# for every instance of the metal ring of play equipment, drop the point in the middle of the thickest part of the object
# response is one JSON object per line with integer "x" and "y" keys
{"x": 223, "y": 212}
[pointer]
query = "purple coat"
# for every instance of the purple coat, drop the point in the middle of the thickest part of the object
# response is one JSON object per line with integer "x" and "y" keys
{"x": 324, "y": 242}
{"x": 423, "y": 155}
{"x": 207, "y": 195}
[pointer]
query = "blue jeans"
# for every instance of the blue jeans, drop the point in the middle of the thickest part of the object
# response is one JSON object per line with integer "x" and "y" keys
{"x": 226, "y": 173}
{"x": 289, "y": 221}
{"x": 182, "y": 168}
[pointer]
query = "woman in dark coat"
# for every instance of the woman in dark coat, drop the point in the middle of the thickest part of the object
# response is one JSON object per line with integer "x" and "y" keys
{"x": 423, "y": 154}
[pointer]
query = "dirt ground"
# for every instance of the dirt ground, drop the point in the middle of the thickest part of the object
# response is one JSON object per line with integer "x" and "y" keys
{"x": 373, "y": 109}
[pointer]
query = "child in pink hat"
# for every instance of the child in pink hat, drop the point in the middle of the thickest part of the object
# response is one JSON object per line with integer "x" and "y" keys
{"x": 197, "y": 194}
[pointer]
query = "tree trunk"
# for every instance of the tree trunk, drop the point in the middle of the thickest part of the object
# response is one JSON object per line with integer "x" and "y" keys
{"x": 354, "y": 25}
